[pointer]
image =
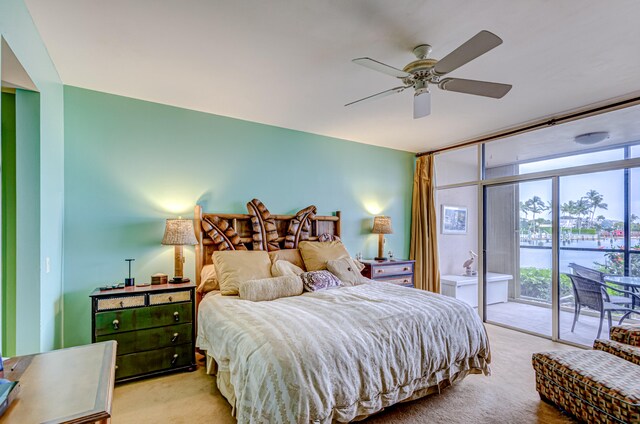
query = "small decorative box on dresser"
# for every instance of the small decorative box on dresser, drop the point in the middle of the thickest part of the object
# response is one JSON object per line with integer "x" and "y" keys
{"x": 395, "y": 272}
{"x": 153, "y": 325}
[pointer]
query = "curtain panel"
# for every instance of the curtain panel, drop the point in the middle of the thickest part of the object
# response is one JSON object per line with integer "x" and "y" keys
{"x": 424, "y": 230}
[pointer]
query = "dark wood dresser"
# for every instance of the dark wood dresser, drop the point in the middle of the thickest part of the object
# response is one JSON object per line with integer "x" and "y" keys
{"x": 153, "y": 325}
{"x": 395, "y": 271}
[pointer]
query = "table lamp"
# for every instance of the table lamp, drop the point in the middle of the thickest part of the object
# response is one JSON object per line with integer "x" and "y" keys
{"x": 179, "y": 232}
{"x": 381, "y": 226}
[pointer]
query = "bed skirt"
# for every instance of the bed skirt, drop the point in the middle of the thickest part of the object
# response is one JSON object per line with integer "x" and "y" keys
{"x": 403, "y": 394}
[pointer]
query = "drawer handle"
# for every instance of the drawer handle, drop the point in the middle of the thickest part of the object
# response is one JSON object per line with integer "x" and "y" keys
{"x": 174, "y": 359}
{"x": 174, "y": 338}
{"x": 380, "y": 271}
{"x": 116, "y": 324}
{"x": 406, "y": 281}
{"x": 176, "y": 316}
{"x": 406, "y": 268}
{"x": 170, "y": 298}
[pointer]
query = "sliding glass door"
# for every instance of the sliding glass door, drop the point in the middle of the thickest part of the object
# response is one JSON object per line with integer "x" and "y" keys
{"x": 592, "y": 217}
{"x": 518, "y": 255}
{"x": 562, "y": 254}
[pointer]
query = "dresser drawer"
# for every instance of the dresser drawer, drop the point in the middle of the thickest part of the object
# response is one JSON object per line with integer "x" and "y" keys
{"x": 401, "y": 281}
{"x": 154, "y": 360}
{"x": 170, "y": 297}
{"x": 123, "y": 302}
{"x": 152, "y": 338}
{"x": 120, "y": 321}
{"x": 401, "y": 269}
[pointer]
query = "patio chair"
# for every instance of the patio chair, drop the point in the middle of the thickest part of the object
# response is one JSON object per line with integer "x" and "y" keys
{"x": 593, "y": 294}
{"x": 596, "y": 275}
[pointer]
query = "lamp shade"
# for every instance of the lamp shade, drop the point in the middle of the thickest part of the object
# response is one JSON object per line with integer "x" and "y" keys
{"x": 179, "y": 232}
{"x": 382, "y": 225}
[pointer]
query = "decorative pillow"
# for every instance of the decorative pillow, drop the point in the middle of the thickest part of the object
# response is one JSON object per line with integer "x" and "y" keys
{"x": 281, "y": 268}
{"x": 347, "y": 270}
{"x": 265, "y": 232}
{"x": 324, "y": 237}
{"x": 234, "y": 267}
{"x": 224, "y": 236}
{"x": 299, "y": 227}
{"x": 317, "y": 254}
{"x": 319, "y": 280}
{"x": 270, "y": 288}
{"x": 208, "y": 279}
{"x": 289, "y": 255}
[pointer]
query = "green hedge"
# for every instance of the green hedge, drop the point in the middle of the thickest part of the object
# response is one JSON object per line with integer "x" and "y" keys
{"x": 536, "y": 283}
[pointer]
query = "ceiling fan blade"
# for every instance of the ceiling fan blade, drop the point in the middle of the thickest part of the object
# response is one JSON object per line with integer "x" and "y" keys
{"x": 476, "y": 46}
{"x": 421, "y": 105}
{"x": 479, "y": 88}
{"x": 367, "y": 62}
{"x": 384, "y": 93}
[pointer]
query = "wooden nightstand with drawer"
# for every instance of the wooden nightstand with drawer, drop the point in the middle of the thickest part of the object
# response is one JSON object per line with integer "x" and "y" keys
{"x": 153, "y": 325}
{"x": 398, "y": 272}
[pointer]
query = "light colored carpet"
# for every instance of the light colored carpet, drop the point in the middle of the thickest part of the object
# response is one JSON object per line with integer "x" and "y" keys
{"x": 508, "y": 395}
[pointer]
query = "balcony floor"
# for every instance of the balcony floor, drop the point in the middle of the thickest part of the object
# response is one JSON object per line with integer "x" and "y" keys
{"x": 538, "y": 320}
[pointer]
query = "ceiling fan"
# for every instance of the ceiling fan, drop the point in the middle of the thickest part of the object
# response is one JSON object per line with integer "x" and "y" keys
{"x": 425, "y": 70}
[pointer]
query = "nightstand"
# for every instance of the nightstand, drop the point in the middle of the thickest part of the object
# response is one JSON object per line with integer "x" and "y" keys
{"x": 153, "y": 325}
{"x": 398, "y": 272}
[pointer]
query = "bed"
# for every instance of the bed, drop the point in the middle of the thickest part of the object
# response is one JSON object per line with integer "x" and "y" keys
{"x": 334, "y": 355}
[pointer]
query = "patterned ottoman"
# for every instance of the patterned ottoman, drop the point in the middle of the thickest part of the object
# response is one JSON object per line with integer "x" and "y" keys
{"x": 621, "y": 350}
{"x": 628, "y": 334}
{"x": 592, "y": 385}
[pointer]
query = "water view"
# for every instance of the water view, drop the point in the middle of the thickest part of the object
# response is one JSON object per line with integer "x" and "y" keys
{"x": 537, "y": 253}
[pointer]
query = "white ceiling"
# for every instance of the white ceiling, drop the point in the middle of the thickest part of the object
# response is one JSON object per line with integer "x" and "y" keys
{"x": 288, "y": 62}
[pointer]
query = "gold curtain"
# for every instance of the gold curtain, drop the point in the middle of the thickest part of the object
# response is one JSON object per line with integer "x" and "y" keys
{"x": 424, "y": 230}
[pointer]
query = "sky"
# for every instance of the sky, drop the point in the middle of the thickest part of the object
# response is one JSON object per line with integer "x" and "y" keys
{"x": 610, "y": 183}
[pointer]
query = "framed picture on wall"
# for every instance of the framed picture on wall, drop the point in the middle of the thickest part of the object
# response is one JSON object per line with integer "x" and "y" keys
{"x": 454, "y": 220}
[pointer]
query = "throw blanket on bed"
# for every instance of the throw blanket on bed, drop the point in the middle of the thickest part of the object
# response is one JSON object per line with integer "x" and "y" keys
{"x": 340, "y": 354}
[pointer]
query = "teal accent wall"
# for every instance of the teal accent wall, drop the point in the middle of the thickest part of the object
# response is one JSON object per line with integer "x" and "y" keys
{"x": 8, "y": 230}
{"x": 130, "y": 164}
{"x": 39, "y": 314}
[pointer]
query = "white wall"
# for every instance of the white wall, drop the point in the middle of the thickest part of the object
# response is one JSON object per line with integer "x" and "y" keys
{"x": 454, "y": 248}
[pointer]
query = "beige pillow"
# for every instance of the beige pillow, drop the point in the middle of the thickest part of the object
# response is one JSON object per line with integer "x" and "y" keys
{"x": 348, "y": 271}
{"x": 235, "y": 266}
{"x": 208, "y": 279}
{"x": 317, "y": 254}
{"x": 270, "y": 288}
{"x": 281, "y": 268}
{"x": 289, "y": 255}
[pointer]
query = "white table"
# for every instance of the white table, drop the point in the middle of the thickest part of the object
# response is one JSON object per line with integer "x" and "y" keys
{"x": 465, "y": 287}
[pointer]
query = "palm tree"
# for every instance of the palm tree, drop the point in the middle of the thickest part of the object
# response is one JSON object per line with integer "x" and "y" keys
{"x": 595, "y": 202}
{"x": 536, "y": 206}
{"x": 582, "y": 207}
{"x": 567, "y": 209}
{"x": 524, "y": 209}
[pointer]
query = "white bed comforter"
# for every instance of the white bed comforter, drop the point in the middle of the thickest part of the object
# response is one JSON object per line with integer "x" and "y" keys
{"x": 340, "y": 354}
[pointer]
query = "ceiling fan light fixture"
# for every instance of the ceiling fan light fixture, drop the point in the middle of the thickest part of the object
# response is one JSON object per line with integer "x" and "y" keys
{"x": 588, "y": 139}
{"x": 425, "y": 71}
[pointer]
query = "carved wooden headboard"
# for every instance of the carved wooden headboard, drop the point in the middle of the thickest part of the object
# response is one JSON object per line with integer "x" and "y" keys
{"x": 242, "y": 224}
